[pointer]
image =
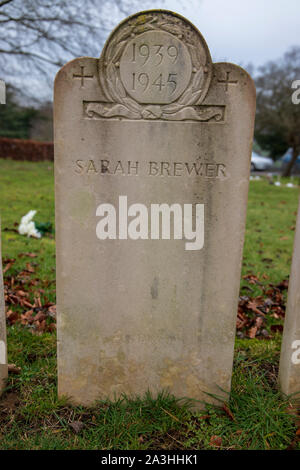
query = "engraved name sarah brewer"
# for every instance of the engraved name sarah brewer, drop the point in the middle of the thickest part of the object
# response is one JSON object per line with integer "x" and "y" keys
{"x": 151, "y": 168}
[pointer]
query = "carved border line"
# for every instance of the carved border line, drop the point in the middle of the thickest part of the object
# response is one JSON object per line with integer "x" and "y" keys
{"x": 100, "y": 110}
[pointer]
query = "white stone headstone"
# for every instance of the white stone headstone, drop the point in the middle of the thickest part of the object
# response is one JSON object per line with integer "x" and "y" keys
{"x": 289, "y": 369}
{"x": 148, "y": 301}
{"x": 3, "y": 353}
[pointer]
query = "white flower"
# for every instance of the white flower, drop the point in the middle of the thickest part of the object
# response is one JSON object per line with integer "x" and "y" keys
{"x": 22, "y": 229}
{"x": 28, "y": 217}
{"x": 277, "y": 183}
{"x": 27, "y": 226}
{"x": 290, "y": 185}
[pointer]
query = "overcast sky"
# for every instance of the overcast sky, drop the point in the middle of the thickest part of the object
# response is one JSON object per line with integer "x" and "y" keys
{"x": 238, "y": 31}
{"x": 243, "y": 31}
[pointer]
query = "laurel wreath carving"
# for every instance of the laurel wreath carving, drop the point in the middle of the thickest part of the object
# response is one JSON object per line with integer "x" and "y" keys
{"x": 114, "y": 89}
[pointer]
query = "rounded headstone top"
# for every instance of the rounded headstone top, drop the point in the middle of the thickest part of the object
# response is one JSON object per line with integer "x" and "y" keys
{"x": 155, "y": 58}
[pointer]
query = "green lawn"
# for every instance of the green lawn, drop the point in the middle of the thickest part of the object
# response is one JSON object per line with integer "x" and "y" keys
{"x": 31, "y": 416}
{"x": 271, "y": 218}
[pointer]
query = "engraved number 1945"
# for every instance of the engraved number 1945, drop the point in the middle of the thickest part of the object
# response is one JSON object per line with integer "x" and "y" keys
{"x": 142, "y": 79}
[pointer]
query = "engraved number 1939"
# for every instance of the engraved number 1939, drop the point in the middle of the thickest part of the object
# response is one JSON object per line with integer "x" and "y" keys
{"x": 145, "y": 51}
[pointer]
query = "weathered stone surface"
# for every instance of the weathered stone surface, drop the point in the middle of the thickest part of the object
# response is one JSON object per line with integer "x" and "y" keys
{"x": 289, "y": 369}
{"x": 3, "y": 353}
{"x": 150, "y": 314}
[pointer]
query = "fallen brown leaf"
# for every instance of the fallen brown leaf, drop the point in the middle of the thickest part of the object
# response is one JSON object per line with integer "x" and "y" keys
{"x": 30, "y": 268}
{"x": 21, "y": 293}
{"x": 215, "y": 441}
{"x": 77, "y": 426}
{"x": 27, "y": 304}
{"x": 7, "y": 267}
{"x": 40, "y": 317}
{"x": 252, "y": 332}
{"x": 30, "y": 255}
{"x": 13, "y": 369}
{"x": 10, "y": 401}
{"x": 11, "y": 316}
{"x": 228, "y": 412}
{"x": 52, "y": 311}
{"x": 252, "y": 305}
{"x": 27, "y": 318}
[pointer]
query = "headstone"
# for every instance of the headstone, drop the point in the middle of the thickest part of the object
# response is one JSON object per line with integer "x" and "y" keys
{"x": 3, "y": 353}
{"x": 289, "y": 368}
{"x": 2, "y": 92}
{"x": 152, "y": 160}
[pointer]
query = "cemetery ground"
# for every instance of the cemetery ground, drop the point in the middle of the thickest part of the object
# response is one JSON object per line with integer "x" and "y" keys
{"x": 31, "y": 415}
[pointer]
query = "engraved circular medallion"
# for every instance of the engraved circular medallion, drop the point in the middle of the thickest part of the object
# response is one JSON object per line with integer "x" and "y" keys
{"x": 155, "y": 67}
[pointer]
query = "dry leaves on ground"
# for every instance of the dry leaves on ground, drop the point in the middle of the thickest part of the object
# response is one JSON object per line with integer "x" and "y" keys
{"x": 25, "y": 303}
{"x": 253, "y": 311}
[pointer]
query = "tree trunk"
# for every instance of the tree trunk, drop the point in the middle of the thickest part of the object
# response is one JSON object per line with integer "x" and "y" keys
{"x": 288, "y": 169}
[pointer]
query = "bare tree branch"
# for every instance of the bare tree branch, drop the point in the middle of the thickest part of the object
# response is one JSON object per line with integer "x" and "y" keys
{"x": 277, "y": 125}
{"x": 5, "y": 2}
{"x": 38, "y": 36}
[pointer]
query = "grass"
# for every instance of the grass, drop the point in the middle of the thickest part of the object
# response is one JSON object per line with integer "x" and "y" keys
{"x": 25, "y": 186}
{"x": 271, "y": 219}
{"x": 31, "y": 415}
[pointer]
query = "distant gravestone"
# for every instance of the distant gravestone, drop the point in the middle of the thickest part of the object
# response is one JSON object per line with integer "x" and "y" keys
{"x": 3, "y": 354}
{"x": 152, "y": 159}
{"x": 2, "y": 92}
{"x": 289, "y": 369}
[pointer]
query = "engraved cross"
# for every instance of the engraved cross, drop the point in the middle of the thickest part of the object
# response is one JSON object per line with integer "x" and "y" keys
{"x": 82, "y": 76}
{"x": 227, "y": 81}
